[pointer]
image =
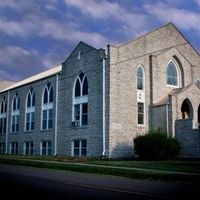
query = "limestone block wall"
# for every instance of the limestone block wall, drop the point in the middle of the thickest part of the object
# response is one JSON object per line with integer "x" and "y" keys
{"x": 38, "y": 135}
{"x": 189, "y": 138}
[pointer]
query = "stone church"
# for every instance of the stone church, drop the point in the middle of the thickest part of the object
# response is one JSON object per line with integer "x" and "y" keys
{"x": 96, "y": 101}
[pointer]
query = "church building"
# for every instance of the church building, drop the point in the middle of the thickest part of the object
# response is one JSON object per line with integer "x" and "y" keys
{"x": 98, "y": 100}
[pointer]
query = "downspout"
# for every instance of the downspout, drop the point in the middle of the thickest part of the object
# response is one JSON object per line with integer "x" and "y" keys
{"x": 7, "y": 122}
{"x": 104, "y": 127}
{"x": 167, "y": 119}
{"x": 56, "y": 117}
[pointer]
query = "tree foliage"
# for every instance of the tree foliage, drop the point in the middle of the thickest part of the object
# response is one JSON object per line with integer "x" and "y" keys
{"x": 156, "y": 145}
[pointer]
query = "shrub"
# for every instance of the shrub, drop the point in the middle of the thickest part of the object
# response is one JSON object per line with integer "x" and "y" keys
{"x": 155, "y": 145}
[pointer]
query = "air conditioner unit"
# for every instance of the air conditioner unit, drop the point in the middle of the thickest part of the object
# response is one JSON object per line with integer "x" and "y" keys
{"x": 77, "y": 123}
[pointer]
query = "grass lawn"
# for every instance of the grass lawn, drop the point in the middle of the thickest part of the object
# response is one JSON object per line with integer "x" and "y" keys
{"x": 181, "y": 166}
{"x": 135, "y": 171}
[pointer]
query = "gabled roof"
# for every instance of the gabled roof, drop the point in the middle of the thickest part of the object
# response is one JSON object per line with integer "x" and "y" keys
{"x": 81, "y": 45}
{"x": 36, "y": 77}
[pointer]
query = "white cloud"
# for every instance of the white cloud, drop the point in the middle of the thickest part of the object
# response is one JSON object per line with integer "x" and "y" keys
{"x": 183, "y": 18}
{"x": 132, "y": 23}
{"x": 6, "y": 76}
{"x": 69, "y": 32}
{"x": 19, "y": 28}
{"x": 198, "y": 2}
{"x": 17, "y": 61}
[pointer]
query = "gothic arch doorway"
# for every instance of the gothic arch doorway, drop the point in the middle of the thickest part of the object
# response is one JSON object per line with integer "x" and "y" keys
{"x": 186, "y": 109}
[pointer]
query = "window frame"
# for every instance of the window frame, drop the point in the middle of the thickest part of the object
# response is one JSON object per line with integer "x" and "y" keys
{"x": 3, "y": 116}
{"x": 80, "y": 100}
{"x": 143, "y": 77}
{"x": 30, "y": 110}
{"x": 47, "y": 148}
{"x": 48, "y": 108}
{"x": 80, "y": 148}
{"x": 178, "y": 78}
{"x": 29, "y": 148}
{"x": 14, "y": 147}
{"x": 15, "y": 114}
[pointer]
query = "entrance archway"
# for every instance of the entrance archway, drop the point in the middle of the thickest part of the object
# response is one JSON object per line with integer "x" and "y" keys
{"x": 186, "y": 109}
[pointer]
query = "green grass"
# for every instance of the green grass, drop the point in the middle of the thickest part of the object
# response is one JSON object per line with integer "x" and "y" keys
{"x": 70, "y": 164}
{"x": 181, "y": 166}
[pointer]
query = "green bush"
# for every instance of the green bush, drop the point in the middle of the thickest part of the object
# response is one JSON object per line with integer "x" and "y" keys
{"x": 155, "y": 145}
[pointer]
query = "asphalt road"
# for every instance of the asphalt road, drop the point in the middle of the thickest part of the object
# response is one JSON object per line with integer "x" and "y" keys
{"x": 21, "y": 182}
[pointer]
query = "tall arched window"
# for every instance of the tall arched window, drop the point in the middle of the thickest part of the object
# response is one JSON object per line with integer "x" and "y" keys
{"x": 30, "y": 111}
{"x": 15, "y": 114}
{"x": 47, "y": 107}
{"x": 3, "y": 115}
{"x": 172, "y": 74}
{"x": 140, "y": 95}
{"x": 80, "y": 101}
{"x": 140, "y": 78}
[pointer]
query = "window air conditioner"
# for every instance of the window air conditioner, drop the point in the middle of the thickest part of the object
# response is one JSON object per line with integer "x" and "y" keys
{"x": 76, "y": 122}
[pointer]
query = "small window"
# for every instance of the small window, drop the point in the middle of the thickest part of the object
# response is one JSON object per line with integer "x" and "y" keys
{"x": 141, "y": 113}
{"x": 172, "y": 76}
{"x": 80, "y": 148}
{"x": 2, "y": 148}
{"x": 28, "y": 148}
{"x": 46, "y": 148}
{"x": 79, "y": 55}
{"x": 13, "y": 148}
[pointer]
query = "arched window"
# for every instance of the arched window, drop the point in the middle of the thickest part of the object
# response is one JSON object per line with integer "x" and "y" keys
{"x": 15, "y": 114}
{"x": 172, "y": 74}
{"x": 140, "y": 95}
{"x": 30, "y": 111}
{"x": 140, "y": 78}
{"x": 47, "y": 107}
{"x": 80, "y": 101}
{"x": 3, "y": 115}
{"x": 186, "y": 109}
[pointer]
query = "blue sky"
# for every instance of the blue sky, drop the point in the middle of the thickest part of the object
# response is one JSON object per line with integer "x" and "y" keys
{"x": 39, "y": 34}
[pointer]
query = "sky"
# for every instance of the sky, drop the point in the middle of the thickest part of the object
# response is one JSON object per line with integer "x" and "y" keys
{"x": 36, "y": 35}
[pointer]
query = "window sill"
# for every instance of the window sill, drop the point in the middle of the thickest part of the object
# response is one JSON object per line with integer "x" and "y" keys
{"x": 46, "y": 130}
{"x": 27, "y": 132}
{"x": 79, "y": 127}
{"x": 141, "y": 125}
{"x": 13, "y": 133}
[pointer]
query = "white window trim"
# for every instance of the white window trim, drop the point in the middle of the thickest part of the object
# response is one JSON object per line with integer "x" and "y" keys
{"x": 29, "y": 110}
{"x": 141, "y": 66}
{"x": 178, "y": 75}
{"x": 80, "y": 147}
{"x": 14, "y": 113}
{"x": 47, "y": 106}
{"x": 143, "y": 92}
{"x": 78, "y": 100}
{"x": 46, "y": 150}
{"x": 29, "y": 149}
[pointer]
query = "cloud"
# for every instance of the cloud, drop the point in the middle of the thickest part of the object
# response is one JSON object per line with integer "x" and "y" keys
{"x": 198, "y": 2}
{"x": 185, "y": 19}
{"x": 17, "y": 28}
{"x": 6, "y": 76}
{"x": 131, "y": 22}
{"x": 69, "y": 32}
{"x": 16, "y": 61}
